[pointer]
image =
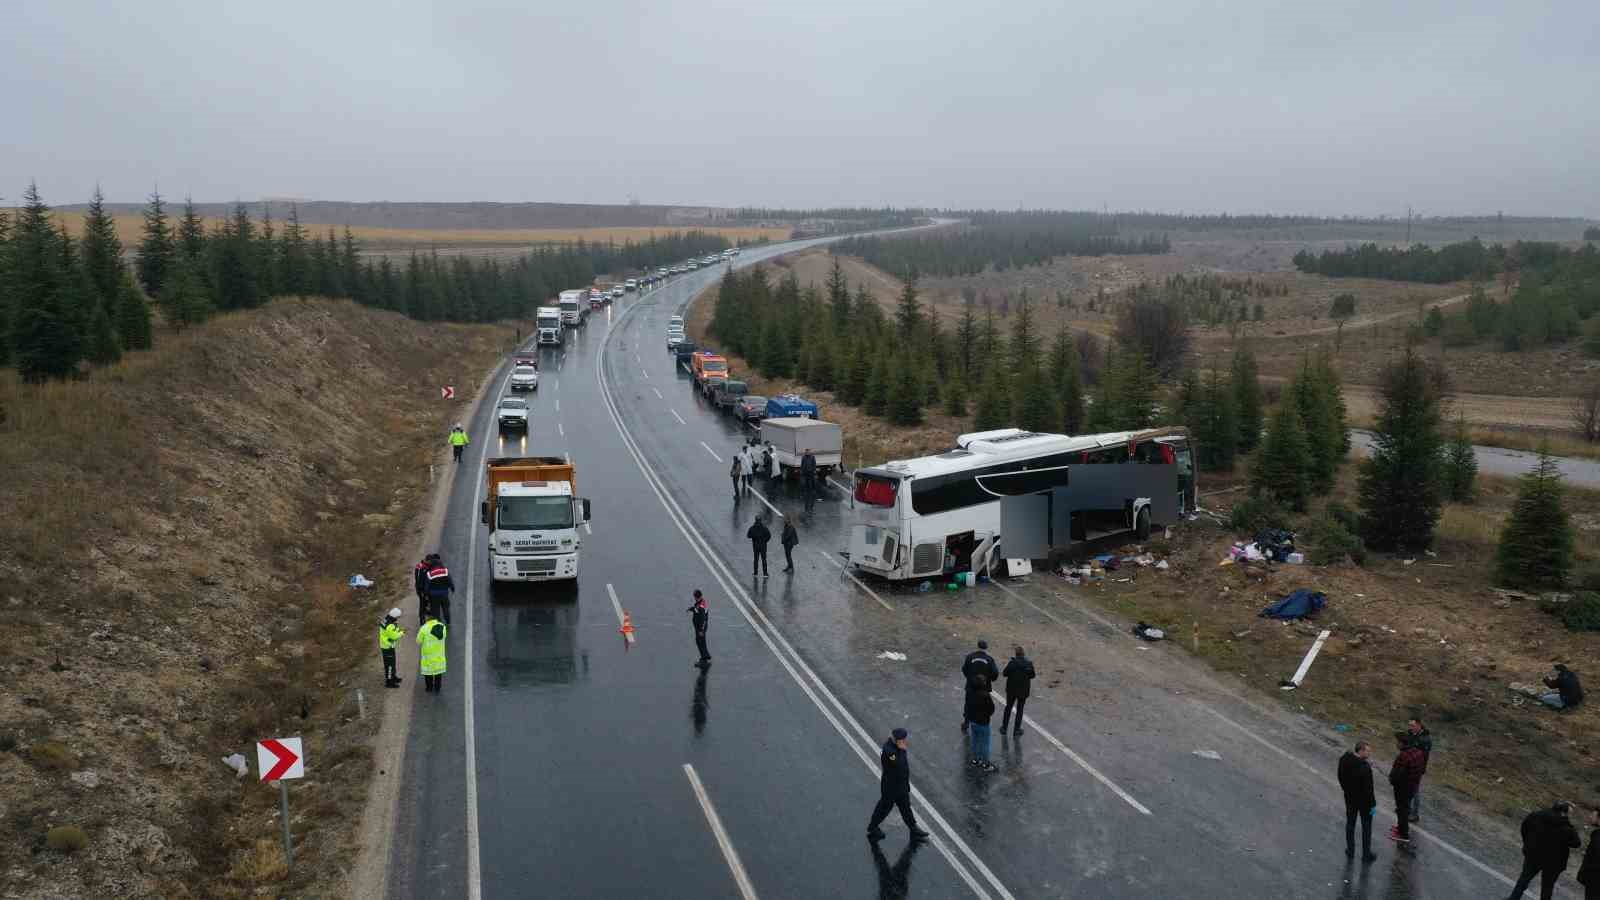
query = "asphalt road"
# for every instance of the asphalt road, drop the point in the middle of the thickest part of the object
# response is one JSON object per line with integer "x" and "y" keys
{"x": 1509, "y": 463}
{"x": 595, "y": 768}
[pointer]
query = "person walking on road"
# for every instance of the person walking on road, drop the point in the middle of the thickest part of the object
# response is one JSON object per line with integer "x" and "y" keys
{"x": 736, "y": 472}
{"x": 419, "y": 579}
{"x": 1423, "y": 741}
{"x": 979, "y": 710}
{"x": 458, "y": 441}
{"x": 790, "y": 539}
{"x": 389, "y": 633}
{"x": 747, "y": 465}
{"x": 1019, "y": 683}
{"x": 1355, "y": 779}
{"x": 1405, "y": 776}
{"x": 1589, "y": 869}
{"x": 440, "y": 587}
{"x": 978, "y": 662}
{"x": 759, "y": 535}
{"x": 894, "y": 788}
{"x": 808, "y": 477}
{"x": 701, "y": 618}
{"x": 1547, "y": 839}
{"x": 430, "y": 644}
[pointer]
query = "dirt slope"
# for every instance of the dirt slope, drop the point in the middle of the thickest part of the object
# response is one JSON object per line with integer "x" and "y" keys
{"x": 178, "y": 535}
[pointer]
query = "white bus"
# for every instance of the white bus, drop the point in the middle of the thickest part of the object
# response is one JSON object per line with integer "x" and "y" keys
{"x": 926, "y": 517}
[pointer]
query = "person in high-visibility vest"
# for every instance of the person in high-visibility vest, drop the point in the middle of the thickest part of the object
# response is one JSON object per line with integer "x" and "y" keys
{"x": 430, "y": 640}
{"x": 458, "y": 441}
{"x": 390, "y": 632}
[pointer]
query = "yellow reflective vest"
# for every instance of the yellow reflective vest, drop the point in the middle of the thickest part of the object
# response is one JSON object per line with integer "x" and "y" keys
{"x": 432, "y": 647}
{"x": 388, "y": 635}
{"x": 459, "y": 439}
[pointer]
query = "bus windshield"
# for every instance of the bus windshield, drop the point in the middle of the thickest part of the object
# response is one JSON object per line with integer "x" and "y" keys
{"x": 876, "y": 491}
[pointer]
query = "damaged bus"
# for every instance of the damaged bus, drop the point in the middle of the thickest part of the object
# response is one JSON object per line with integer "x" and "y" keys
{"x": 940, "y": 514}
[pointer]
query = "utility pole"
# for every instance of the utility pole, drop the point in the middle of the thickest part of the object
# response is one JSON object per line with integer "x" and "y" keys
{"x": 1408, "y": 226}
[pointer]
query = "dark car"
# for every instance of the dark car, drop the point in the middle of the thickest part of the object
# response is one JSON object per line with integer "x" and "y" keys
{"x": 683, "y": 350}
{"x": 728, "y": 396}
{"x": 750, "y": 408}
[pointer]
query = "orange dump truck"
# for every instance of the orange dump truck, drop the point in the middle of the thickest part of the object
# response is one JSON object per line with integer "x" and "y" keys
{"x": 707, "y": 367}
{"x": 533, "y": 517}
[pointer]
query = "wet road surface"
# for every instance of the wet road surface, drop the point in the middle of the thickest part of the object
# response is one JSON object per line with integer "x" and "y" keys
{"x": 1506, "y": 463}
{"x": 597, "y": 768}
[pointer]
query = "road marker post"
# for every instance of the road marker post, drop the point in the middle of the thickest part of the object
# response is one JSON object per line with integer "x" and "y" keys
{"x": 280, "y": 759}
{"x": 1305, "y": 664}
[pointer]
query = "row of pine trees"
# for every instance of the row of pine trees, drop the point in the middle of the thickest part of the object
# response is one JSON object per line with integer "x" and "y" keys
{"x": 67, "y": 302}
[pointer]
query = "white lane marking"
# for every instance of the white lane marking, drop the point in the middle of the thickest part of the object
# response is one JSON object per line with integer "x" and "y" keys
{"x": 587, "y": 529}
{"x": 617, "y": 605}
{"x": 746, "y": 890}
{"x": 1036, "y": 607}
{"x": 810, "y": 683}
{"x": 474, "y": 864}
{"x": 558, "y": 404}
{"x": 711, "y": 451}
{"x": 852, "y": 576}
{"x": 658, "y": 393}
{"x": 1082, "y": 763}
{"x": 561, "y": 431}
{"x": 774, "y": 509}
{"x": 678, "y": 417}
{"x": 842, "y": 489}
{"x": 1321, "y": 776}
{"x": 567, "y": 455}
{"x": 646, "y": 372}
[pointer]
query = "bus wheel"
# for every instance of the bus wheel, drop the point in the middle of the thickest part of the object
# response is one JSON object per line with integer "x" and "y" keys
{"x": 1141, "y": 524}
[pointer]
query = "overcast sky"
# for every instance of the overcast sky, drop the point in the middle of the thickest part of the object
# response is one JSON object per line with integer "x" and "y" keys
{"x": 1243, "y": 106}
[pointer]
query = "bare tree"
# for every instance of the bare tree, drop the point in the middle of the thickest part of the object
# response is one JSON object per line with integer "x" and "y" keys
{"x": 1342, "y": 310}
{"x": 1586, "y": 411}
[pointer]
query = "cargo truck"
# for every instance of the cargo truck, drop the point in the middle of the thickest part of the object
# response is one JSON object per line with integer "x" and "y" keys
{"x": 533, "y": 518}
{"x": 792, "y": 437}
{"x": 548, "y": 321}
{"x": 574, "y": 308}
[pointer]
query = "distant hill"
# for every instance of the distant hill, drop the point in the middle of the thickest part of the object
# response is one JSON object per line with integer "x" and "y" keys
{"x": 459, "y": 215}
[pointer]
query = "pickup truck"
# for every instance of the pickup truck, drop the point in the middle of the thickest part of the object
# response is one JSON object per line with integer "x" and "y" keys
{"x": 524, "y": 378}
{"x": 512, "y": 413}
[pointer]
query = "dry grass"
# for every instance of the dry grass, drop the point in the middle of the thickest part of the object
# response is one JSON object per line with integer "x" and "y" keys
{"x": 181, "y": 525}
{"x": 130, "y": 230}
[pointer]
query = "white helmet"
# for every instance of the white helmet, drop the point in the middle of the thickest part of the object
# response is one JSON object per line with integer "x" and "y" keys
{"x": 395, "y": 613}
{"x": 458, "y": 426}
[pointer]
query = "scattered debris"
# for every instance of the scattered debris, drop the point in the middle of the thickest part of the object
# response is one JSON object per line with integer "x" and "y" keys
{"x": 1148, "y": 632}
{"x": 1208, "y": 754}
{"x": 360, "y": 581}
{"x": 1297, "y": 605}
{"x": 237, "y": 763}
{"x": 1162, "y": 565}
{"x": 87, "y": 778}
{"x": 890, "y": 654}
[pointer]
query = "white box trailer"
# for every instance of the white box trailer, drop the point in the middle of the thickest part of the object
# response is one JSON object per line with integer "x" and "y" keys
{"x": 791, "y": 438}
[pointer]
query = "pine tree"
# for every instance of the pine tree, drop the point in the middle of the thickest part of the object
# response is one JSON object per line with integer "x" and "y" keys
{"x": 1246, "y": 386}
{"x": 1460, "y": 464}
{"x": 1400, "y": 496}
{"x": 103, "y": 347}
{"x": 839, "y": 297}
{"x": 1318, "y": 396}
{"x": 294, "y": 269}
{"x": 1283, "y": 467}
{"x": 1039, "y": 407}
{"x": 350, "y": 268}
{"x": 994, "y": 403}
{"x": 908, "y": 312}
{"x": 906, "y": 393}
{"x": 132, "y": 315}
{"x": 237, "y": 282}
{"x": 1064, "y": 369}
{"x": 266, "y": 248}
{"x": 157, "y": 249}
{"x": 185, "y": 301}
{"x": 46, "y": 338}
{"x": 878, "y": 384}
{"x": 1024, "y": 343}
{"x": 966, "y": 338}
{"x": 955, "y": 394}
{"x": 1536, "y": 542}
{"x": 100, "y": 250}
{"x": 1218, "y": 424}
{"x": 191, "y": 232}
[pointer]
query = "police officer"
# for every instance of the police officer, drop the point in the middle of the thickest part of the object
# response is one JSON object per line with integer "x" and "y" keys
{"x": 389, "y": 631}
{"x": 759, "y": 535}
{"x": 808, "y": 478}
{"x": 430, "y": 644}
{"x": 419, "y": 579}
{"x": 978, "y": 662}
{"x": 440, "y": 587}
{"x": 894, "y": 788}
{"x": 701, "y": 619}
{"x": 458, "y": 441}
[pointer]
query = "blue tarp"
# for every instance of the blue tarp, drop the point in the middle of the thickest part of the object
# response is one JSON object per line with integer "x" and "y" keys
{"x": 1298, "y": 605}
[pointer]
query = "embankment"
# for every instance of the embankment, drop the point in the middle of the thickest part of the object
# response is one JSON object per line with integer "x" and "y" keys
{"x": 179, "y": 530}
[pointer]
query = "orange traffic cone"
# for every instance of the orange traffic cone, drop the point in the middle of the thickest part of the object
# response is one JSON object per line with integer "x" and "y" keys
{"x": 627, "y": 627}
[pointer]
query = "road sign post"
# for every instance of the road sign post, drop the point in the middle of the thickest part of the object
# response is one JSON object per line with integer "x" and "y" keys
{"x": 280, "y": 759}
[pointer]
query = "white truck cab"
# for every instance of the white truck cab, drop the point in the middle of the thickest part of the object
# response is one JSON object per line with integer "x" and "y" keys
{"x": 547, "y": 320}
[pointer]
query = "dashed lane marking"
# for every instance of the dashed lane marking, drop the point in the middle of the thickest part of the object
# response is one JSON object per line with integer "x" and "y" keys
{"x": 740, "y": 878}
{"x": 1082, "y": 763}
{"x": 711, "y": 451}
{"x": 852, "y": 576}
{"x": 678, "y": 417}
{"x": 617, "y": 605}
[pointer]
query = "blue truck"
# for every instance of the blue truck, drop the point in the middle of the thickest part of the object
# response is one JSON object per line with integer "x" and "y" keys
{"x": 791, "y": 406}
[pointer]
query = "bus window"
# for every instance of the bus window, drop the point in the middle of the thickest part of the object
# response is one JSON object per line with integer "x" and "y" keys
{"x": 875, "y": 491}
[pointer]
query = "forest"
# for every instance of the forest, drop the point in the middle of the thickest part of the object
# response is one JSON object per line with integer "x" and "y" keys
{"x": 68, "y": 301}
{"x": 1452, "y": 262}
{"x": 999, "y": 241}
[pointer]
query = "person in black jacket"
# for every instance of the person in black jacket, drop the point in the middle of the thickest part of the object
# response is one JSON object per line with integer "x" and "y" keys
{"x": 1422, "y": 740}
{"x": 1019, "y": 677}
{"x": 759, "y": 535}
{"x": 894, "y": 788}
{"x": 1568, "y": 692}
{"x": 1589, "y": 869}
{"x": 1547, "y": 839}
{"x": 789, "y": 540}
{"x": 1355, "y": 779}
{"x": 702, "y": 620}
{"x": 979, "y": 710}
{"x": 976, "y": 663}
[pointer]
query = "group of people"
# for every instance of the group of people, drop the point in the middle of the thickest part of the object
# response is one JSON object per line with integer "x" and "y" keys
{"x": 1548, "y": 835}
{"x": 433, "y": 584}
{"x": 760, "y": 535}
{"x": 979, "y": 672}
{"x": 754, "y": 457}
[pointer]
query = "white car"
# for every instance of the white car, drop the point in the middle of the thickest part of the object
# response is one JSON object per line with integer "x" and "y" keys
{"x": 513, "y": 413}
{"x": 675, "y": 320}
{"x": 674, "y": 338}
{"x": 617, "y": 292}
{"x": 524, "y": 378}
{"x": 632, "y": 284}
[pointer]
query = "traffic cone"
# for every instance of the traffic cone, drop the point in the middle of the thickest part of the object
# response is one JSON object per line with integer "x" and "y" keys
{"x": 627, "y": 626}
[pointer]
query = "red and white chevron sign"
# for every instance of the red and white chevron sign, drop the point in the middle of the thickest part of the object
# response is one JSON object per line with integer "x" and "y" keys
{"x": 448, "y": 392}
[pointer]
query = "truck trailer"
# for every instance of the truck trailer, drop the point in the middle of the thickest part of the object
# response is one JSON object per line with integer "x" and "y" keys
{"x": 548, "y": 322}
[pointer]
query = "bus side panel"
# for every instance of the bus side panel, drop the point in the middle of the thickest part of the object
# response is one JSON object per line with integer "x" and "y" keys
{"x": 1022, "y": 522}
{"x": 1110, "y": 488}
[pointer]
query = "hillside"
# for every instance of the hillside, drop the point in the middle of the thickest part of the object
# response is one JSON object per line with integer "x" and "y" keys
{"x": 175, "y": 560}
